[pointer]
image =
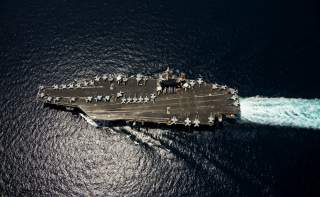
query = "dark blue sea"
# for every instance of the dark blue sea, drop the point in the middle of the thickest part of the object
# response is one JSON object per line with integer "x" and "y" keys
{"x": 261, "y": 47}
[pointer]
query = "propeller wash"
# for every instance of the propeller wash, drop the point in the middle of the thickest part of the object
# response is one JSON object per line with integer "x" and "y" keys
{"x": 301, "y": 113}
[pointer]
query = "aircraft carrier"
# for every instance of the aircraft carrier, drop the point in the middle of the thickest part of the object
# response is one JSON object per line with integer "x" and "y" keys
{"x": 165, "y": 98}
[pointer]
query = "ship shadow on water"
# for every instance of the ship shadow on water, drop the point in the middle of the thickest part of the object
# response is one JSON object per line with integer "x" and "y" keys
{"x": 176, "y": 142}
{"x": 183, "y": 147}
{"x": 74, "y": 111}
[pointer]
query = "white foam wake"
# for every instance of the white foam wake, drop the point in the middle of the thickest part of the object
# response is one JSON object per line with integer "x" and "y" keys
{"x": 302, "y": 113}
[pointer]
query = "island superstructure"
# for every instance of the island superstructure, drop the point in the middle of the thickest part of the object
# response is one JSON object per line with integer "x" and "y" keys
{"x": 168, "y": 98}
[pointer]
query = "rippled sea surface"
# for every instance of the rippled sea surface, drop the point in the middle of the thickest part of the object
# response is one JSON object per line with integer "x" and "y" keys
{"x": 267, "y": 48}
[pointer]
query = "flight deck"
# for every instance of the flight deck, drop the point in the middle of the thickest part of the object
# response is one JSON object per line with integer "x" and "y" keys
{"x": 164, "y": 98}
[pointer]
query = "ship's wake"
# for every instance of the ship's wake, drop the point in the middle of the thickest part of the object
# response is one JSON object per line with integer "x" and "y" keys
{"x": 290, "y": 112}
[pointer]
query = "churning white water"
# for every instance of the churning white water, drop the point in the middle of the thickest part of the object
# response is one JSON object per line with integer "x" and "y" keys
{"x": 291, "y": 112}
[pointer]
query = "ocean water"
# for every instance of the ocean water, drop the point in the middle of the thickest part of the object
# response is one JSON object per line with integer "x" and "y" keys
{"x": 266, "y": 48}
